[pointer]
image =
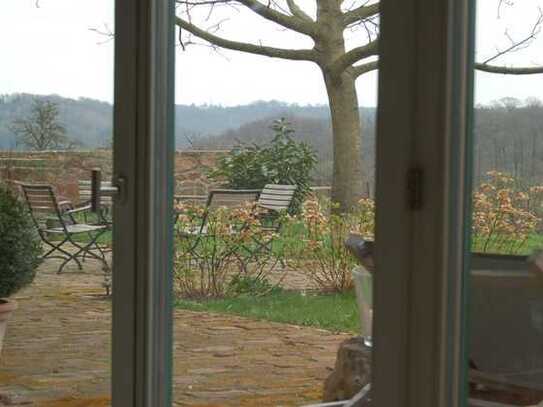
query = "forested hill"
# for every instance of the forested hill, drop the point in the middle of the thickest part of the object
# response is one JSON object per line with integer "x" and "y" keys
{"x": 508, "y": 133}
{"x": 89, "y": 122}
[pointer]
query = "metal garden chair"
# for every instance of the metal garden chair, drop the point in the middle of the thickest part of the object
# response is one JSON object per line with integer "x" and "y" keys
{"x": 273, "y": 200}
{"x": 269, "y": 202}
{"x": 229, "y": 198}
{"x": 58, "y": 226}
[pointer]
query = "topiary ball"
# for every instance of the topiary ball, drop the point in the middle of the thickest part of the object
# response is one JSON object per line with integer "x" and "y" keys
{"x": 20, "y": 245}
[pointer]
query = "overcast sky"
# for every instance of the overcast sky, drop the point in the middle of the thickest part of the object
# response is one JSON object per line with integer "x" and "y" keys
{"x": 52, "y": 49}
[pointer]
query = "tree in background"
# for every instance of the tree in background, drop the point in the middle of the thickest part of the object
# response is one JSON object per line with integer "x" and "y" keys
{"x": 340, "y": 64}
{"x": 41, "y": 129}
{"x": 283, "y": 160}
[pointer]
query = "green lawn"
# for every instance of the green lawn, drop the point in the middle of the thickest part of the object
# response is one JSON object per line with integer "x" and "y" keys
{"x": 333, "y": 312}
{"x": 533, "y": 243}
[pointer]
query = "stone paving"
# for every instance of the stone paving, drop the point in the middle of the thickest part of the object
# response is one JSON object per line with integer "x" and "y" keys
{"x": 56, "y": 352}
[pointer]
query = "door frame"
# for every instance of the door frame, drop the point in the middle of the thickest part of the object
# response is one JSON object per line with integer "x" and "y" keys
{"x": 424, "y": 113}
{"x": 142, "y": 236}
{"x": 423, "y": 156}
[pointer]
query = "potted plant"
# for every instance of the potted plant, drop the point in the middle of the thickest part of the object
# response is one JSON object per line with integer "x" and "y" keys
{"x": 20, "y": 250}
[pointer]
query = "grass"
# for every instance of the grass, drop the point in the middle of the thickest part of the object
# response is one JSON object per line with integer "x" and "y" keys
{"x": 333, "y": 312}
{"x": 533, "y": 243}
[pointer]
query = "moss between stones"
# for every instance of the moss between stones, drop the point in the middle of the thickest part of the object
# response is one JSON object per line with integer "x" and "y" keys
{"x": 103, "y": 401}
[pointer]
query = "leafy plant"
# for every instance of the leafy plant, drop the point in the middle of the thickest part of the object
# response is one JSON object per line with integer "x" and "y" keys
{"x": 20, "y": 246}
{"x": 250, "y": 285}
{"x": 221, "y": 260}
{"x": 282, "y": 161}
{"x": 505, "y": 214}
{"x": 323, "y": 256}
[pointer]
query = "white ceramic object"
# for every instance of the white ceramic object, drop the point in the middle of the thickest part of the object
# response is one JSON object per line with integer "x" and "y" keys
{"x": 363, "y": 287}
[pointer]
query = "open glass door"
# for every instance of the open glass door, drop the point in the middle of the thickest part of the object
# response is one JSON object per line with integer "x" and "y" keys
{"x": 92, "y": 327}
{"x": 56, "y": 121}
{"x": 504, "y": 285}
{"x": 468, "y": 304}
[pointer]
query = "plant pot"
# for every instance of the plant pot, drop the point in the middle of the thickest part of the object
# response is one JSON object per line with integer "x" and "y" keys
{"x": 6, "y": 308}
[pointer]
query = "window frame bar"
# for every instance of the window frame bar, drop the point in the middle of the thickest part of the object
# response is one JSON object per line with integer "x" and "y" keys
{"x": 424, "y": 115}
{"x": 143, "y": 233}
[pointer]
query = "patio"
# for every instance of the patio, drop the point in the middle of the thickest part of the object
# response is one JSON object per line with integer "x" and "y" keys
{"x": 57, "y": 351}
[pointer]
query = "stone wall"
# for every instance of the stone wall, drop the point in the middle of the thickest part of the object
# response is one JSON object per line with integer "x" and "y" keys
{"x": 65, "y": 168}
{"x": 61, "y": 169}
{"x": 191, "y": 168}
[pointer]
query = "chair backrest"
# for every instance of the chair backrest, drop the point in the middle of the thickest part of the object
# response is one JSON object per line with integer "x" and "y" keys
{"x": 85, "y": 193}
{"x": 231, "y": 198}
{"x": 277, "y": 197}
{"x": 42, "y": 203}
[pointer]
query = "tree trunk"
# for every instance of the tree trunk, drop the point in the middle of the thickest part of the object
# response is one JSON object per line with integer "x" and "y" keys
{"x": 347, "y": 184}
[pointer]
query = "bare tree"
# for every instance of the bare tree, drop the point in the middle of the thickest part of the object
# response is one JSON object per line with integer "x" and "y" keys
{"x": 340, "y": 65}
{"x": 41, "y": 129}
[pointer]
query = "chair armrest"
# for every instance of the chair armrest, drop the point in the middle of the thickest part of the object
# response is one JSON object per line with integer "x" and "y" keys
{"x": 85, "y": 208}
{"x": 237, "y": 191}
{"x": 65, "y": 205}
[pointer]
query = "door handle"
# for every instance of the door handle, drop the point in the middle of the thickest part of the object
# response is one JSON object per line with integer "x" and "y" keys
{"x": 117, "y": 190}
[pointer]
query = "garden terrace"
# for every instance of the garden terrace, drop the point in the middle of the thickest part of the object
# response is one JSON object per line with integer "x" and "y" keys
{"x": 57, "y": 352}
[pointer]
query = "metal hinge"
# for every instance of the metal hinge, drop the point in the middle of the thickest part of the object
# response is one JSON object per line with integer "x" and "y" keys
{"x": 415, "y": 188}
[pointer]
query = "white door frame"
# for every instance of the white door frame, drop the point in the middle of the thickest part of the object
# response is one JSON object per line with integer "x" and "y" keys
{"x": 424, "y": 112}
{"x": 142, "y": 236}
{"x": 424, "y": 107}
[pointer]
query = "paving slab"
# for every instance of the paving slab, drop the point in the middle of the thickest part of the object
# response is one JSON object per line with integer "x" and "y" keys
{"x": 57, "y": 351}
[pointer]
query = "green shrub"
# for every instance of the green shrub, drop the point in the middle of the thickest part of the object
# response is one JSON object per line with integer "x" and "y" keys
{"x": 282, "y": 161}
{"x": 251, "y": 285}
{"x": 20, "y": 246}
{"x": 221, "y": 262}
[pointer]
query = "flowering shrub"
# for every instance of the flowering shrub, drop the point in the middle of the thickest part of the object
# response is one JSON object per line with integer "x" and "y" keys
{"x": 504, "y": 214}
{"x": 323, "y": 256}
{"x": 364, "y": 219}
{"x": 211, "y": 261}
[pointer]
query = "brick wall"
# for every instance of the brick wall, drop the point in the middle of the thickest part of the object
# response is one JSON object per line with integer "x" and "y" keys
{"x": 64, "y": 169}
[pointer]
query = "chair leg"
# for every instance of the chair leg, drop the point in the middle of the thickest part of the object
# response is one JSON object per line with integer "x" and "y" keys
{"x": 88, "y": 250}
{"x": 67, "y": 256}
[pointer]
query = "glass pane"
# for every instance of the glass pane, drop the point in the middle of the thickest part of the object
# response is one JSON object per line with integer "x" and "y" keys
{"x": 506, "y": 286}
{"x": 265, "y": 289}
{"x": 55, "y": 126}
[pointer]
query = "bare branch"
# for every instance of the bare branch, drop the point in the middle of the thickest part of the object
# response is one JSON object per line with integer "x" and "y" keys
{"x": 293, "y": 54}
{"x": 507, "y": 70}
{"x": 508, "y": 3}
{"x": 360, "y": 13}
{"x": 292, "y": 22}
{"x": 355, "y": 55}
{"x": 364, "y": 68}
{"x": 298, "y": 12}
{"x": 485, "y": 66}
{"x": 517, "y": 45}
{"x": 202, "y": 2}
{"x": 106, "y": 32}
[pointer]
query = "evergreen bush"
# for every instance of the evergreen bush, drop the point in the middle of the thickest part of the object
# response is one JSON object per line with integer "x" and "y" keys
{"x": 20, "y": 245}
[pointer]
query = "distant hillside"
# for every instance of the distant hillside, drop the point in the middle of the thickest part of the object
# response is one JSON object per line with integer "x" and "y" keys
{"x": 87, "y": 121}
{"x": 508, "y": 133}
{"x": 90, "y": 121}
